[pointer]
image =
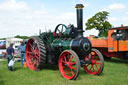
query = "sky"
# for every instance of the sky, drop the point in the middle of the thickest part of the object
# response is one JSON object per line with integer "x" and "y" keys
{"x": 26, "y": 17}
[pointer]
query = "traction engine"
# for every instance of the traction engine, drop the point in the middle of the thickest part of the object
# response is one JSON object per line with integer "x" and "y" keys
{"x": 65, "y": 47}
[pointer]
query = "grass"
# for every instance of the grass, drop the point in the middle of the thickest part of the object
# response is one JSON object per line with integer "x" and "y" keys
{"x": 115, "y": 73}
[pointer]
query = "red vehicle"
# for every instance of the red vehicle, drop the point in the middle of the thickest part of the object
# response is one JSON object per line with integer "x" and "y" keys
{"x": 115, "y": 45}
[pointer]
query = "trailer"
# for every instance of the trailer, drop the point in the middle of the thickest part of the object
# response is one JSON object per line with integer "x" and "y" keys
{"x": 2, "y": 44}
{"x": 115, "y": 45}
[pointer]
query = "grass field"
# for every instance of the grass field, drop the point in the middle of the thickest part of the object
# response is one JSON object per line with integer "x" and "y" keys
{"x": 115, "y": 73}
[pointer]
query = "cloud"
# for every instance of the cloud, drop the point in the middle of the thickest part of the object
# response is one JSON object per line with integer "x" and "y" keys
{"x": 12, "y": 5}
{"x": 67, "y": 18}
{"x": 117, "y": 21}
{"x": 118, "y": 14}
{"x": 84, "y": 2}
{"x": 19, "y": 18}
{"x": 117, "y": 6}
{"x": 113, "y": 19}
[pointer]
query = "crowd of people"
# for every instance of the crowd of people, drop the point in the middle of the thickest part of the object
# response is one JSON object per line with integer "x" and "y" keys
{"x": 10, "y": 53}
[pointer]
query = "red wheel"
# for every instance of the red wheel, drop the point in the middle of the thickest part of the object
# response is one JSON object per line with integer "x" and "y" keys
{"x": 69, "y": 64}
{"x": 32, "y": 54}
{"x": 35, "y": 53}
{"x": 97, "y": 63}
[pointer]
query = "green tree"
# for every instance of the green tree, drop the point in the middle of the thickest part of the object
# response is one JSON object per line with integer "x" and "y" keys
{"x": 2, "y": 38}
{"x": 99, "y": 22}
{"x": 22, "y": 37}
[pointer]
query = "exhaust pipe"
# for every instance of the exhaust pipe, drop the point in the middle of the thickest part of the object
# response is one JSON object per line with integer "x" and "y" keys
{"x": 79, "y": 12}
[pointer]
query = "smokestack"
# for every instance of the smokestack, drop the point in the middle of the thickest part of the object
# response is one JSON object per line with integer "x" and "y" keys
{"x": 79, "y": 11}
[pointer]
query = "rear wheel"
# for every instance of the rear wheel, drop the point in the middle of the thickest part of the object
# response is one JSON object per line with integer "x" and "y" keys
{"x": 69, "y": 64}
{"x": 35, "y": 53}
{"x": 96, "y": 64}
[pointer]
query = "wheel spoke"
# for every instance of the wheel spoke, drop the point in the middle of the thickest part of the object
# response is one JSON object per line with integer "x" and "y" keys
{"x": 30, "y": 62}
{"x": 30, "y": 45}
{"x": 98, "y": 63}
{"x": 93, "y": 69}
{"x": 32, "y": 59}
{"x": 93, "y": 57}
{"x": 90, "y": 68}
{"x": 29, "y": 52}
{"x": 96, "y": 66}
{"x": 64, "y": 66}
{"x": 32, "y": 49}
{"x": 58, "y": 30}
{"x": 97, "y": 58}
{"x": 37, "y": 57}
{"x": 72, "y": 72}
{"x": 65, "y": 59}
{"x": 68, "y": 73}
{"x": 74, "y": 63}
{"x": 73, "y": 68}
{"x": 62, "y": 29}
{"x": 66, "y": 70}
{"x": 63, "y": 62}
{"x": 35, "y": 46}
{"x": 37, "y": 54}
{"x": 70, "y": 58}
{"x": 36, "y": 49}
{"x": 37, "y": 62}
{"x": 87, "y": 65}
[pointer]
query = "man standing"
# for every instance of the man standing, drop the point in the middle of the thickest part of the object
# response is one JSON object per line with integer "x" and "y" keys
{"x": 10, "y": 53}
{"x": 21, "y": 50}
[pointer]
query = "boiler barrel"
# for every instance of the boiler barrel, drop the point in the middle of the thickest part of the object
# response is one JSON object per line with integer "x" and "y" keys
{"x": 81, "y": 46}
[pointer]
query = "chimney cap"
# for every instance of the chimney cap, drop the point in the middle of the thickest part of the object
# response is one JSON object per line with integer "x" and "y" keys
{"x": 80, "y": 6}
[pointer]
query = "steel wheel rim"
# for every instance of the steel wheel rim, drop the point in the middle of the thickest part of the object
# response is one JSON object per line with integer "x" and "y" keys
{"x": 67, "y": 65}
{"x": 95, "y": 66}
{"x": 32, "y": 54}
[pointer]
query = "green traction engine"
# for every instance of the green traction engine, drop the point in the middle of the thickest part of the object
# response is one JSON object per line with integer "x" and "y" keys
{"x": 65, "y": 47}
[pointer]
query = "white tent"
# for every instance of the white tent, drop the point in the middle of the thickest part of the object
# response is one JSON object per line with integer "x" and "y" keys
{"x": 15, "y": 41}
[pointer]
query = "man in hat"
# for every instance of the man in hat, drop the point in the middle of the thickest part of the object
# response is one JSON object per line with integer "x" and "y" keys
{"x": 10, "y": 53}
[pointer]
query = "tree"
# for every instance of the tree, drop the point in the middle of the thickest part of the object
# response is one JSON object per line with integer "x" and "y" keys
{"x": 22, "y": 37}
{"x": 100, "y": 23}
{"x": 2, "y": 38}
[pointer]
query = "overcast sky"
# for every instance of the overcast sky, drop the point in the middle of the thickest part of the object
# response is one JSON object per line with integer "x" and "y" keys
{"x": 26, "y": 17}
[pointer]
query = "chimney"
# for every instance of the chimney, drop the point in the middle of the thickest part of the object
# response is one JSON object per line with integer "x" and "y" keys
{"x": 79, "y": 11}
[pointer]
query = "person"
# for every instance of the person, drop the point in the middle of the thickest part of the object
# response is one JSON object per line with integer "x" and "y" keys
{"x": 10, "y": 53}
{"x": 21, "y": 50}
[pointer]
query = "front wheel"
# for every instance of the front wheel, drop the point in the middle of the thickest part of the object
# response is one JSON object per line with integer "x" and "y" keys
{"x": 96, "y": 64}
{"x": 69, "y": 64}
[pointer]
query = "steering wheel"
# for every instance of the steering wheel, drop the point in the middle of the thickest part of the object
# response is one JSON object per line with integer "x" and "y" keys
{"x": 60, "y": 29}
